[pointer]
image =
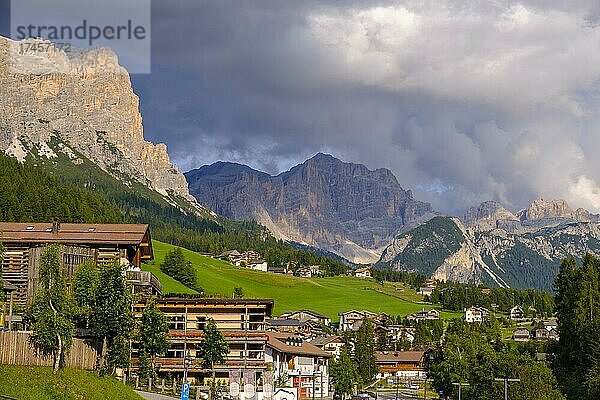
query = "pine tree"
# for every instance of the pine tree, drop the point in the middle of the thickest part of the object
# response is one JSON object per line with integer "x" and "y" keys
{"x": 364, "y": 352}
{"x": 344, "y": 373}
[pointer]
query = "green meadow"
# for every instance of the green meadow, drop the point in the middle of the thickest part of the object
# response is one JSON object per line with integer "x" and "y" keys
{"x": 39, "y": 383}
{"x": 328, "y": 296}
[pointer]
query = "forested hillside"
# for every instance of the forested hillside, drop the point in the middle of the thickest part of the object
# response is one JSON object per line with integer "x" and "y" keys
{"x": 57, "y": 188}
{"x": 27, "y": 193}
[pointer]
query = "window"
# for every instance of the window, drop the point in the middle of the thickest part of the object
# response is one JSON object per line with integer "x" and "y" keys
{"x": 201, "y": 323}
{"x": 177, "y": 323}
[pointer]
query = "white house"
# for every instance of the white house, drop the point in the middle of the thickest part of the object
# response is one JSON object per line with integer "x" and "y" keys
{"x": 516, "y": 313}
{"x": 331, "y": 344}
{"x": 424, "y": 315}
{"x": 363, "y": 273}
{"x": 258, "y": 265}
{"x": 351, "y": 320}
{"x": 476, "y": 314}
{"x": 305, "y": 365}
{"x": 304, "y": 272}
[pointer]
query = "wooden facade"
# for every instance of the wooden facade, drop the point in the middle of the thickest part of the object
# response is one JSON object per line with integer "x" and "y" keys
{"x": 241, "y": 321}
{"x": 100, "y": 243}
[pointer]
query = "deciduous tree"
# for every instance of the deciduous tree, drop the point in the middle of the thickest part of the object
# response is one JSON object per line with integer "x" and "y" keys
{"x": 51, "y": 312}
{"x": 85, "y": 284}
{"x": 112, "y": 319}
{"x": 213, "y": 347}
{"x": 153, "y": 330}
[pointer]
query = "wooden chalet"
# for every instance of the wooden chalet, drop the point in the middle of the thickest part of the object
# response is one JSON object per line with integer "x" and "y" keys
{"x": 401, "y": 363}
{"x": 102, "y": 243}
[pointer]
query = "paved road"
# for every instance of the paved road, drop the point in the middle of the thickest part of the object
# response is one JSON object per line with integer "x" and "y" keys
{"x": 154, "y": 396}
{"x": 392, "y": 396}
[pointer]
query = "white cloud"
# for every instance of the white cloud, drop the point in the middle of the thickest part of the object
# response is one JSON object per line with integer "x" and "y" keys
{"x": 463, "y": 101}
{"x": 586, "y": 192}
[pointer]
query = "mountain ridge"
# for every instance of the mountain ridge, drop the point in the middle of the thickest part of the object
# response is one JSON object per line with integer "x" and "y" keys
{"x": 497, "y": 247}
{"x": 323, "y": 202}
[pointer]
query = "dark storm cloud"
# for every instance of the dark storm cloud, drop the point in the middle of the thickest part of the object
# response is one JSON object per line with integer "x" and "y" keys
{"x": 463, "y": 103}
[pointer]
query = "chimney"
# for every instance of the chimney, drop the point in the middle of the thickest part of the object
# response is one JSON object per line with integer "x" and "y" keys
{"x": 55, "y": 226}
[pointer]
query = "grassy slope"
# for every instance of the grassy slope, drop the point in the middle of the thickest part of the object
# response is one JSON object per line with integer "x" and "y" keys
{"x": 325, "y": 295}
{"x": 38, "y": 383}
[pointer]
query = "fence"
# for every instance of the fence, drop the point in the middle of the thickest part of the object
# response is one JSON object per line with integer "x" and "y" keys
{"x": 15, "y": 349}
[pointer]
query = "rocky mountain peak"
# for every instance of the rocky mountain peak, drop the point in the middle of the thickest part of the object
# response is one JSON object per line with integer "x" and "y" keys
{"x": 487, "y": 216}
{"x": 324, "y": 202}
{"x": 557, "y": 208}
{"x": 83, "y": 101}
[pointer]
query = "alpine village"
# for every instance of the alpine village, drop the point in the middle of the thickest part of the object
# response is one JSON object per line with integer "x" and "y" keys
{"x": 123, "y": 278}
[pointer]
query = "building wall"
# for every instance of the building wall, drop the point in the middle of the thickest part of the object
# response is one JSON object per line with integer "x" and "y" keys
{"x": 242, "y": 325}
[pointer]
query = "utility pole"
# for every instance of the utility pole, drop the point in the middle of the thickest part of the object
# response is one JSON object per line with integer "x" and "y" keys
{"x": 321, "y": 382}
{"x": 460, "y": 385}
{"x": 397, "y": 385}
{"x": 185, "y": 351}
{"x": 506, "y": 382}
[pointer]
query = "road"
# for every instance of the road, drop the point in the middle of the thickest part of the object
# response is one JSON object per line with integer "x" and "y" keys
{"x": 392, "y": 396}
{"x": 154, "y": 396}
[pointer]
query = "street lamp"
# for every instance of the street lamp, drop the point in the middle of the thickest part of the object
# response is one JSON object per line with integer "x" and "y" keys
{"x": 187, "y": 363}
{"x": 506, "y": 382}
{"x": 460, "y": 385}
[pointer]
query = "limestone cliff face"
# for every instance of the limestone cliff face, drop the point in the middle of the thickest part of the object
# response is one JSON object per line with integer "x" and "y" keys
{"x": 341, "y": 207}
{"x": 541, "y": 208}
{"x": 84, "y": 101}
{"x": 488, "y": 215}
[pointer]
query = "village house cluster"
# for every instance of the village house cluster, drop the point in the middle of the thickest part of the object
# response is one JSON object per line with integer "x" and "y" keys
{"x": 295, "y": 346}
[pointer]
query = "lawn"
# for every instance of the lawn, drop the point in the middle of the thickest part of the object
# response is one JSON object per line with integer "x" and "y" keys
{"x": 38, "y": 383}
{"x": 328, "y": 296}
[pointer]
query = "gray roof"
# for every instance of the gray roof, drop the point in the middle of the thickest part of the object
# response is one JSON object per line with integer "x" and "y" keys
{"x": 283, "y": 322}
{"x": 323, "y": 340}
{"x": 7, "y": 286}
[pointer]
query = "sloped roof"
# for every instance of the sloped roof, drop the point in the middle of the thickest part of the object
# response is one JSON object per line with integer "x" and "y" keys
{"x": 323, "y": 340}
{"x": 7, "y": 286}
{"x": 41, "y": 232}
{"x": 277, "y": 341}
{"x": 399, "y": 356}
{"x": 313, "y": 313}
{"x": 284, "y": 322}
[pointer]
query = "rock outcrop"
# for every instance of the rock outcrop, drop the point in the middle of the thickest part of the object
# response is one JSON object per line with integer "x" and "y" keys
{"x": 488, "y": 215}
{"x": 540, "y": 209}
{"x": 80, "y": 102}
{"x": 341, "y": 207}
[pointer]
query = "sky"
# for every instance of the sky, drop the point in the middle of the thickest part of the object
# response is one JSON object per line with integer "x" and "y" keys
{"x": 463, "y": 101}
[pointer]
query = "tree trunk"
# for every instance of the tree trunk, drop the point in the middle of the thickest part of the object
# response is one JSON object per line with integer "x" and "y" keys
{"x": 58, "y": 355}
{"x": 102, "y": 360}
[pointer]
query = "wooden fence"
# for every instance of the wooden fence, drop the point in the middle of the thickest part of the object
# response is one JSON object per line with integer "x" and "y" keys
{"x": 15, "y": 349}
